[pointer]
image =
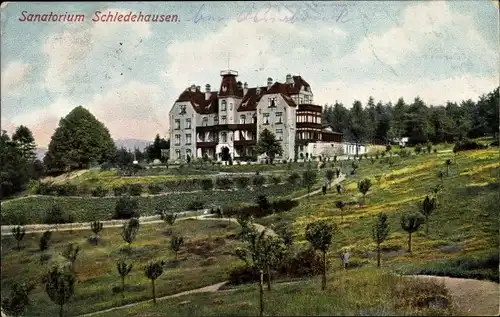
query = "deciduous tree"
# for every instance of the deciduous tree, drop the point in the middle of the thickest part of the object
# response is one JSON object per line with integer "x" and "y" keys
{"x": 123, "y": 269}
{"x": 18, "y": 233}
{"x": 380, "y": 232}
{"x": 320, "y": 235}
{"x": 60, "y": 286}
{"x": 153, "y": 270}
{"x": 411, "y": 222}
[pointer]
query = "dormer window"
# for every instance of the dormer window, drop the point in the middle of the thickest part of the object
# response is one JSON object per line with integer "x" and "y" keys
{"x": 223, "y": 119}
{"x": 204, "y": 122}
{"x": 223, "y": 105}
{"x": 272, "y": 102}
{"x": 182, "y": 109}
{"x": 242, "y": 119}
{"x": 216, "y": 120}
{"x": 230, "y": 107}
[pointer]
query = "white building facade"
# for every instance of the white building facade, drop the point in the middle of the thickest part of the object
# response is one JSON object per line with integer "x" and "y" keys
{"x": 227, "y": 122}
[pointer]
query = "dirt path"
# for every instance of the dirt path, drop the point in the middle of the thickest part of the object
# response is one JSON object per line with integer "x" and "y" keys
{"x": 472, "y": 297}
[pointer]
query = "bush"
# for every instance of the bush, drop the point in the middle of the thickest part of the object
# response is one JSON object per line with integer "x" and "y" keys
{"x": 467, "y": 145}
{"x": 44, "y": 189}
{"x": 242, "y": 182}
{"x": 126, "y": 208}
{"x": 99, "y": 191}
{"x": 284, "y": 205}
{"x": 294, "y": 178}
{"x": 244, "y": 275}
{"x": 120, "y": 190}
{"x": 207, "y": 184}
{"x": 403, "y": 153}
{"x": 418, "y": 148}
{"x": 66, "y": 189}
{"x": 224, "y": 183}
{"x": 55, "y": 215}
{"x": 154, "y": 188}
{"x": 196, "y": 205}
{"x": 107, "y": 166}
{"x": 304, "y": 263}
{"x": 135, "y": 189}
{"x": 275, "y": 179}
{"x": 258, "y": 180}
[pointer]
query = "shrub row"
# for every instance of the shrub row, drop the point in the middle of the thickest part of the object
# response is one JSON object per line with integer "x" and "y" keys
{"x": 262, "y": 209}
{"x": 467, "y": 145}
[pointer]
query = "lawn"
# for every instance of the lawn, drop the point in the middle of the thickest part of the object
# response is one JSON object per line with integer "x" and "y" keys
{"x": 464, "y": 226}
{"x": 204, "y": 259}
{"x": 360, "y": 292}
{"x": 32, "y": 209}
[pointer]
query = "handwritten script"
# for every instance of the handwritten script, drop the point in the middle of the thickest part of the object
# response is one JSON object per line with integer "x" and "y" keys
{"x": 285, "y": 13}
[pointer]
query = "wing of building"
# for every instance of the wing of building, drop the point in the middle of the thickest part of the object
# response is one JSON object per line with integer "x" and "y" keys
{"x": 202, "y": 123}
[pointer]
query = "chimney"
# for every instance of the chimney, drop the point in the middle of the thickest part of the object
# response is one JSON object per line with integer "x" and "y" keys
{"x": 207, "y": 91}
{"x": 257, "y": 91}
{"x": 238, "y": 85}
{"x": 245, "y": 88}
{"x": 269, "y": 82}
{"x": 198, "y": 88}
{"x": 193, "y": 88}
{"x": 289, "y": 79}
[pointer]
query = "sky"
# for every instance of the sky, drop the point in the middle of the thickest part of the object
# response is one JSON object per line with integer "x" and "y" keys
{"x": 129, "y": 74}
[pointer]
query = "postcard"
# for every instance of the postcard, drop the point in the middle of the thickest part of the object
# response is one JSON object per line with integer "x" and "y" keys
{"x": 196, "y": 158}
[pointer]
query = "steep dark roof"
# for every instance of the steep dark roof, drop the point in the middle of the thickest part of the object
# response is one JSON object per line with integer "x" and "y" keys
{"x": 251, "y": 99}
{"x": 229, "y": 87}
{"x": 197, "y": 100}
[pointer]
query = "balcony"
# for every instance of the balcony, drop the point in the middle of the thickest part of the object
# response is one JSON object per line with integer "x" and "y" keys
{"x": 311, "y": 125}
{"x": 227, "y": 127}
{"x": 206, "y": 144}
{"x": 245, "y": 142}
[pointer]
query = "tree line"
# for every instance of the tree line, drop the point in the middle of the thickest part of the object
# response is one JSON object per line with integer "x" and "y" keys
{"x": 80, "y": 141}
{"x": 421, "y": 123}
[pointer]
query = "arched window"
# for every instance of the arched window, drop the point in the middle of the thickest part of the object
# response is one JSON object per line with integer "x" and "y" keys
{"x": 223, "y": 105}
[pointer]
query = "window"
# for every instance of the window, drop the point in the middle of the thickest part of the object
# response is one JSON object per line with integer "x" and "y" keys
{"x": 177, "y": 139}
{"x": 188, "y": 153}
{"x": 242, "y": 119}
{"x": 279, "y": 134}
{"x": 306, "y": 99}
{"x": 272, "y": 102}
{"x": 182, "y": 109}
{"x": 231, "y": 107}
{"x": 188, "y": 139}
{"x": 278, "y": 117}
{"x": 223, "y": 119}
{"x": 177, "y": 124}
{"x": 178, "y": 154}
{"x": 266, "y": 118}
{"x": 301, "y": 100}
{"x": 188, "y": 123}
{"x": 204, "y": 121}
{"x": 223, "y": 105}
{"x": 216, "y": 119}
{"x": 224, "y": 137}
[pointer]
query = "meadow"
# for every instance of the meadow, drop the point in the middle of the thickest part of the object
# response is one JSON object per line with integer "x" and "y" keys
{"x": 360, "y": 292}
{"x": 462, "y": 242}
{"x": 205, "y": 258}
{"x": 463, "y": 230}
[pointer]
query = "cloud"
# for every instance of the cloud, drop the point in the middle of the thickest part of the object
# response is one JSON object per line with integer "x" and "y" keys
{"x": 426, "y": 29}
{"x": 130, "y": 110}
{"x": 253, "y": 48}
{"x": 432, "y": 92}
{"x": 14, "y": 77}
{"x": 75, "y": 52}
